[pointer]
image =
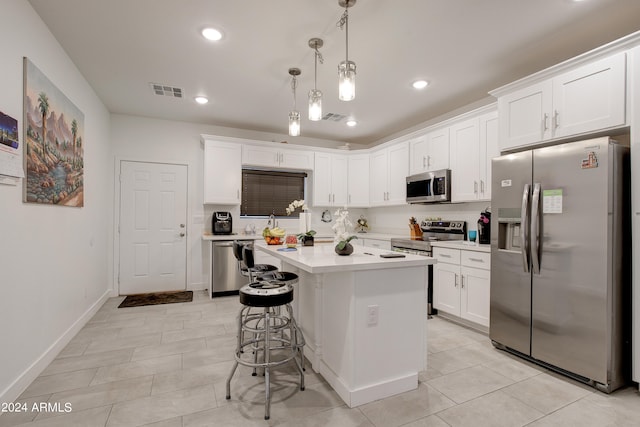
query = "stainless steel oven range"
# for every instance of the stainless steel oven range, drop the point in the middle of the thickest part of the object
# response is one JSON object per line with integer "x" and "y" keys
{"x": 432, "y": 230}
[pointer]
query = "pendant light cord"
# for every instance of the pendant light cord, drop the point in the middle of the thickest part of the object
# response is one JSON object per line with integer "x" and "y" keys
{"x": 344, "y": 23}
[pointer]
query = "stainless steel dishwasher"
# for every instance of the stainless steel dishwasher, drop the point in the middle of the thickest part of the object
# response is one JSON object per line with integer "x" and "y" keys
{"x": 225, "y": 277}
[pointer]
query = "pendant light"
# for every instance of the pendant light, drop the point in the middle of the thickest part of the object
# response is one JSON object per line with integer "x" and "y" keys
{"x": 346, "y": 69}
{"x": 294, "y": 115}
{"x": 315, "y": 96}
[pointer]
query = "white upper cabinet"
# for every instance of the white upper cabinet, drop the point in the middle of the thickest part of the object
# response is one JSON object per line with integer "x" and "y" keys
{"x": 256, "y": 155}
{"x": 222, "y": 172}
{"x": 589, "y": 98}
{"x": 474, "y": 142}
{"x": 429, "y": 152}
{"x": 330, "y": 180}
{"x": 465, "y": 164}
{"x": 358, "y": 180}
{"x": 488, "y": 150}
{"x": 389, "y": 168}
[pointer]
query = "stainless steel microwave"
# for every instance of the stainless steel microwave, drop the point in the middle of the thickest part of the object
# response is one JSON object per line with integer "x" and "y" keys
{"x": 429, "y": 187}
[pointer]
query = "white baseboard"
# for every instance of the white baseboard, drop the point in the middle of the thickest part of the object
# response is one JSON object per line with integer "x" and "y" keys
{"x": 16, "y": 388}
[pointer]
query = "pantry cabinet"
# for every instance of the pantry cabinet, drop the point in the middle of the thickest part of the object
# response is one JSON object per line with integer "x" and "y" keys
{"x": 429, "y": 152}
{"x": 588, "y": 98}
{"x": 388, "y": 173}
{"x": 330, "y": 179}
{"x": 267, "y": 156}
{"x": 461, "y": 284}
{"x": 222, "y": 172}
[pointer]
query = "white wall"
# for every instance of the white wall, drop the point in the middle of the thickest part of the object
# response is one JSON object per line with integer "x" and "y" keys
{"x": 154, "y": 140}
{"x": 53, "y": 268}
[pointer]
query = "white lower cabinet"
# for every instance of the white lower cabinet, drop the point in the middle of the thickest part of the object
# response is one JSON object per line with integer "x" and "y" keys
{"x": 461, "y": 284}
{"x": 376, "y": 243}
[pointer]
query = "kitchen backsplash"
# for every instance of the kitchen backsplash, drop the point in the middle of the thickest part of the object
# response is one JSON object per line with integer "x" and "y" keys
{"x": 391, "y": 220}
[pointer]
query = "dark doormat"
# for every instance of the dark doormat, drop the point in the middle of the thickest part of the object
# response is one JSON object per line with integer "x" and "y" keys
{"x": 156, "y": 298}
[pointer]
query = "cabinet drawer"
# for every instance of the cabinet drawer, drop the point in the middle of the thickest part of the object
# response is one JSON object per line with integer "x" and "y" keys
{"x": 476, "y": 259}
{"x": 449, "y": 256}
{"x": 376, "y": 243}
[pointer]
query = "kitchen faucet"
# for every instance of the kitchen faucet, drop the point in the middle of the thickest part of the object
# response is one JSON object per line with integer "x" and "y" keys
{"x": 272, "y": 223}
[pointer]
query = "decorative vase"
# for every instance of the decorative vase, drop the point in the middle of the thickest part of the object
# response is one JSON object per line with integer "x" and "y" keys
{"x": 305, "y": 222}
{"x": 307, "y": 240}
{"x": 347, "y": 250}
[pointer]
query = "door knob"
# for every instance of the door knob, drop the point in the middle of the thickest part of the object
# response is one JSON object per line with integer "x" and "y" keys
{"x": 181, "y": 234}
{"x": 181, "y": 225}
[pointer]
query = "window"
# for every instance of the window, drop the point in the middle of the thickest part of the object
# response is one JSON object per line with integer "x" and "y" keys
{"x": 270, "y": 192}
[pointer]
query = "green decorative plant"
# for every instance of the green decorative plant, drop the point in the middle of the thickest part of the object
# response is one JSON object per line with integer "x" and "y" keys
{"x": 309, "y": 233}
{"x": 342, "y": 243}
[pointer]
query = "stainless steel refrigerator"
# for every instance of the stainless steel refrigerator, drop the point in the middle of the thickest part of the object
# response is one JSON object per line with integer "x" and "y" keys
{"x": 560, "y": 259}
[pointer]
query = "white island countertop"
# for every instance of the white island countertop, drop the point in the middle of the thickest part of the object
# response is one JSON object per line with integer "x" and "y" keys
{"x": 322, "y": 258}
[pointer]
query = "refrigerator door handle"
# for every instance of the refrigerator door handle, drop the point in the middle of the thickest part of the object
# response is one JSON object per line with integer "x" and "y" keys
{"x": 524, "y": 227}
{"x": 535, "y": 229}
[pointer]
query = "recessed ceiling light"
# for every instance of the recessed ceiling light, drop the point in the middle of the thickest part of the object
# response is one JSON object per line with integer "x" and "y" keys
{"x": 211, "y": 34}
{"x": 201, "y": 100}
{"x": 351, "y": 123}
{"x": 420, "y": 84}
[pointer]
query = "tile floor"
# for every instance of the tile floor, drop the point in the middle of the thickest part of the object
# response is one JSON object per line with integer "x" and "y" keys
{"x": 166, "y": 366}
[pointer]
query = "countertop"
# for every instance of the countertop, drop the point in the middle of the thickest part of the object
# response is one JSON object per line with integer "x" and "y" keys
{"x": 224, "y": 237}
{"x": 464, "y": 245}
{"x": 322, "y": 258}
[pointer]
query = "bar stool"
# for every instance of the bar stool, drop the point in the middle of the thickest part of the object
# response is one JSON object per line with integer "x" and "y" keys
{"x": 256, "y": 269}
{"x": 271, "y": 332}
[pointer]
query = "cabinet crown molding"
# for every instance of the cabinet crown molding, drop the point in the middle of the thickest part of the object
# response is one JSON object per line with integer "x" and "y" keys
{"x": 620, "y": 45}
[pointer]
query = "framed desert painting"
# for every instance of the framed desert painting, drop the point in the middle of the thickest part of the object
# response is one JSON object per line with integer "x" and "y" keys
{"x": 54, "y": 144}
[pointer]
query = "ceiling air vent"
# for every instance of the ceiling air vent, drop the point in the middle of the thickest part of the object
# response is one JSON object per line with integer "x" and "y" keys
{"x": 165, "y": 90}
{"x": 334, "y": 117}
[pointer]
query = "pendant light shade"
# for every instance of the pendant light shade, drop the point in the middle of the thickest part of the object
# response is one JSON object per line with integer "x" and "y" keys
{"x": 294, "y": 123}
{"x": 294, "y": 114}
{"x": 346, "y": 69}
{"x": 347, "y": 80}
{"x": 315, "y": 96}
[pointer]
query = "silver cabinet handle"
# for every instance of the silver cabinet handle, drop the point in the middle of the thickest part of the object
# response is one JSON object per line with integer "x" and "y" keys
{"x": 329, "y": 198}
{"x": 545, "y": 122}
{"x": 462, "y": 280}
{"x": 455, "y": 281}
{"x": 445, "y": 256}
{"x": 475, "y": 187}
{"x": 482, "y": 186}
{"x": 424, "y": 161}
{"x": 334, "y": 198}
{"x": 476, "y": 259}
{"x": 429, "y": 161}
{"x": 556, "y": 121}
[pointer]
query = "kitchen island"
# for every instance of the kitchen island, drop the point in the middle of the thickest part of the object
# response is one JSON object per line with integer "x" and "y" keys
{"x": 363, "y": 317}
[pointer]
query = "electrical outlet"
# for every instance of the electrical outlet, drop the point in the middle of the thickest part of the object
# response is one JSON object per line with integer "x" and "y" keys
{"x": 372, "y": 315}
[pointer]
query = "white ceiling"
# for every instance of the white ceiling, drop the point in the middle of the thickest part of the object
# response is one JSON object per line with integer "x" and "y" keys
{"x": 464, "y": 48}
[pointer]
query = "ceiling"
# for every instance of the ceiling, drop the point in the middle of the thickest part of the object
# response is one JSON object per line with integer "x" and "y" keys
{"x": 464, "y": 48}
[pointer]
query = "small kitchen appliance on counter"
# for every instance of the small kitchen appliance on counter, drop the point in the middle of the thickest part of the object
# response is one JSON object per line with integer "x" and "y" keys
{"x": 436, "y": 230}
{"x": 484, "y": 228}
{"x": 221, "y": 223}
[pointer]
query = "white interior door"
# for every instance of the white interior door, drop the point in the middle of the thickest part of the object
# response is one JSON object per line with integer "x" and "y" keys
{"x": 153, "y": 213}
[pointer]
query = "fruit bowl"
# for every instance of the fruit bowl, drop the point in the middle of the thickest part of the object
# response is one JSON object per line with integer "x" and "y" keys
{"x": 271, "y": 240}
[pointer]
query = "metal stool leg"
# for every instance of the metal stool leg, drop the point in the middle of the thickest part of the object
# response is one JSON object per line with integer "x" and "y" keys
{"x": 267, "y": 344}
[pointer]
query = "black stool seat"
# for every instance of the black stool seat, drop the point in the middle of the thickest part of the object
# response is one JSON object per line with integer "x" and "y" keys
{"x": 279, "y": 277}
{"x": 249, "y": 269}
{"x": 266, "y": 294}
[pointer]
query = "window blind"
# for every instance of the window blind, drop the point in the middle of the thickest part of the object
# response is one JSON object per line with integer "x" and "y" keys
{"x": 270, "y": 192}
